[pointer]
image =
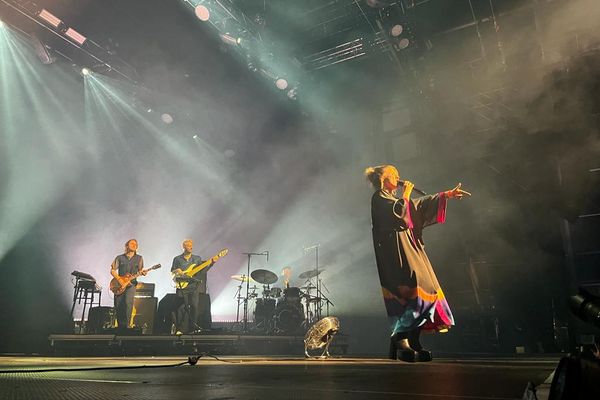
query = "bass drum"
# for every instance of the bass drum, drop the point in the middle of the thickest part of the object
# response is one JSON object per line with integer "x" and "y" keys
{"x": 101, "y": 320}
{"x": 290, "y": 316}
{"x": 291, "y": 294}
{"x": 264, "y": 310}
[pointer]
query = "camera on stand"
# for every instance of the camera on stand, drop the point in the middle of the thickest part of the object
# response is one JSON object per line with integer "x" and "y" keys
{"x": 578, "y": 375}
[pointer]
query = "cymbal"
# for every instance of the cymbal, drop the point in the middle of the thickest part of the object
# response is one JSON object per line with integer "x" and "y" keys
{"x": 263, "y": 276}
{"x": 241, "y": 278}
{"x": 310, "y": 274}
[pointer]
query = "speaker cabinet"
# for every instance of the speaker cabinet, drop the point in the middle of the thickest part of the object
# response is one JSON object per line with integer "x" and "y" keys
{"x": 144, "y": 311}
{"x": 166, "y": 316}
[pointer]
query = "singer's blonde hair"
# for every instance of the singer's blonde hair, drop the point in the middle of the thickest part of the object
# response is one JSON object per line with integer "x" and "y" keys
{"x": 377, "y": 175}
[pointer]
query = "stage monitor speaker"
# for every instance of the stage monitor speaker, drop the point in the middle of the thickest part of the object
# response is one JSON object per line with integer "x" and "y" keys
{"x": 166, "y": 314}
{"x": 101, "y": 320}
{"x": 144, "y": 311}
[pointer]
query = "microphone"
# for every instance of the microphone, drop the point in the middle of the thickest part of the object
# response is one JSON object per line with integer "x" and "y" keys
{"x": 415, "y": 189}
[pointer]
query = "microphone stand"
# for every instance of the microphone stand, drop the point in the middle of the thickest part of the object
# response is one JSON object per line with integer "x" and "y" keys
{"x": 327, "y": 301}
{"x": 320, "y": 306}
{"x": 238, "y": 297}
{"x": 264, "y": 253}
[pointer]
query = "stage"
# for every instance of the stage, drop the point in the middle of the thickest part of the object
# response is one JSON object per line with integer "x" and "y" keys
{"x": 225, "y": 343}
{"x": 272, "y": 377}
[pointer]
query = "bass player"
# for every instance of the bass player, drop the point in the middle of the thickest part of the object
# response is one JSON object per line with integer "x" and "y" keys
{"x": 192, "y": 289}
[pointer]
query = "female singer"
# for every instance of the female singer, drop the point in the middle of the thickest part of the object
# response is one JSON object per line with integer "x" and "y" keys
{"x": 413, "y": 297}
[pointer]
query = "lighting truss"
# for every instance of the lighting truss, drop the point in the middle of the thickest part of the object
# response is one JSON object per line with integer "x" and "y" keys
{"x": 353, "y": 49}
{"x": 55, "y": 26}
{"x": 335, "y": 55}
{"x": 244, "y": 36}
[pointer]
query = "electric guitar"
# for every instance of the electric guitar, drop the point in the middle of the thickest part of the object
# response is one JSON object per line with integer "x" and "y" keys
{"x": 183, "y": 279}
{"x": 118, "y": 286}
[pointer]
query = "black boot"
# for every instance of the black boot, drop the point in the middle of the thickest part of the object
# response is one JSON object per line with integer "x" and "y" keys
{"x": 422, "y": 354}
{"x": 393, "y": 354}
{"x": 407, "y": 353}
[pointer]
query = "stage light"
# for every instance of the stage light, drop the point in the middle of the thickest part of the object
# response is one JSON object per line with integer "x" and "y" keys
{"x": 259, "y": 20}
{"x": 281, "y": 84}
{"x": 86, "y": 71}
{"x": 292, "y": 94}
{"x": 403, "y": 43}
{"x": 195, "y": 137}
{"x": 166, "y": 118}
{"x": 226, "y": 38}
{"x": 50, "y": 18}
{"x": 75, "y": 36}
{"x": 229, "y": 153}
{"x": 250, "y": 63}
{"x": 202, "y": 13}
{"x": 41, "y": 50}
{"x": 321, "y": 335}
{"x": 396, "y": 30}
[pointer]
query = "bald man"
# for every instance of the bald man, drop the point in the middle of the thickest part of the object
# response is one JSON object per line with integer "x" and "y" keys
{"x": 195, "y": 298}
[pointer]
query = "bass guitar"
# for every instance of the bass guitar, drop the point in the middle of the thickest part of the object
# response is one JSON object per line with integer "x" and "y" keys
{"x": 118, "y": 286}
{"x": 183, "y": 279}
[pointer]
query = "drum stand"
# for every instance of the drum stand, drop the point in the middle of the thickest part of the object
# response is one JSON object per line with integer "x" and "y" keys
{"x": 240, "y": 299}
{"x": 323, "y": 298}
{"x": 264, "y": 253}
{"x": 316, "y": 302}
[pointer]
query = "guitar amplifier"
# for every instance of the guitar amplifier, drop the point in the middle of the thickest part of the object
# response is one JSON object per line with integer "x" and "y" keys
{"x": 144, "y": 312}
{"x": 143, "y": 289}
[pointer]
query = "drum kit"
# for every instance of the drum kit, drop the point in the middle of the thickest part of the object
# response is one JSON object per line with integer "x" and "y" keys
{"x": 277, "y": 310}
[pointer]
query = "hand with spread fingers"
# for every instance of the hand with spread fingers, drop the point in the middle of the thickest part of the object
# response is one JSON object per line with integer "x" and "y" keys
{"x": 457, "y": 193}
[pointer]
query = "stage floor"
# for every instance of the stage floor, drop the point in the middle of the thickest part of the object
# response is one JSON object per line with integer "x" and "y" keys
{"x": 271, "y": 378}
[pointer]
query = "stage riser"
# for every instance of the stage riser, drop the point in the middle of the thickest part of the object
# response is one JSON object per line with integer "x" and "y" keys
{"x": 71, "y": 345}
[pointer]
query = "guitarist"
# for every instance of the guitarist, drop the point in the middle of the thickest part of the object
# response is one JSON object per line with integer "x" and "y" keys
{"x": 129, "y": 262}
{"x": 195, "y": 299}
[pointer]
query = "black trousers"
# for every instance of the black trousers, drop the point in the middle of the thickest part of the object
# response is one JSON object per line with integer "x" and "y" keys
{"x": 124, "y": 307}
{"x": 194, "y": 313}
